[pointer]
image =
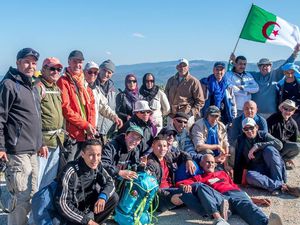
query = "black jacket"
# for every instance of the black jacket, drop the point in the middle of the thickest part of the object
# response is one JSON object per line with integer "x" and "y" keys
{"x": 78, "y": 189}
{"x": 115, "y": 156}
{"x": 147, "y": 128}
{"x": 20, "y": 120}
{"x": 241, "y": 162}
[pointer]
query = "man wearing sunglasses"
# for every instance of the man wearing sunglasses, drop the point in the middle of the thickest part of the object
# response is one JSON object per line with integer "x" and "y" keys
{"x": 52, "y": 120}
{"x": 102, "y": 108}
{"x": 20, "y": 133}
{"x": 284, "y": 127}
{"x": 258, "y": 162}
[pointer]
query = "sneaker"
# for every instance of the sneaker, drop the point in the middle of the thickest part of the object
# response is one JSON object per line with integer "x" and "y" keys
{"x": 224, "y": 209}
{"x": 275, "y": 193}
{"x": 274, "y": 219}
{"x": 289, "y": 165}
{"x": 294, "y": 191}
{"x": 220, "y": 221}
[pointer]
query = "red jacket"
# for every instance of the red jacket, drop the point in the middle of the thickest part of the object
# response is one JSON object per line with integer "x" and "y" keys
{"x": 75, "y": 123}
{"x": 219, "y": 180}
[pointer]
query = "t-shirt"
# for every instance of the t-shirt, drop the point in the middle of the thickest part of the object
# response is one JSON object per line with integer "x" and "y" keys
{"x": 165, "y": 180}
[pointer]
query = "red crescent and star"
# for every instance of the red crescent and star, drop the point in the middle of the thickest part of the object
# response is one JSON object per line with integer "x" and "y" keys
{"x": 274, "y": 32}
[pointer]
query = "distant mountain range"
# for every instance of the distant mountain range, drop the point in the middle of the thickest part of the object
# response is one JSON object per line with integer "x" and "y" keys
{"x": 163, "y": 70}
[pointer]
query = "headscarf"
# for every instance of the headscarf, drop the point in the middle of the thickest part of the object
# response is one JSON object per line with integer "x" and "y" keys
{"x": 132, "y": 95}
{"x": 148, "y": 94}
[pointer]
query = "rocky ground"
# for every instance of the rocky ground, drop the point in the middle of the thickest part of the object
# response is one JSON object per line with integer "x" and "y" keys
{"x": 287, "y": 207}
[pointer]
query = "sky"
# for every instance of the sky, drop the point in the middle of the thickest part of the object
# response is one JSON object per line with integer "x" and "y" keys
{"x": 136, "y": 31}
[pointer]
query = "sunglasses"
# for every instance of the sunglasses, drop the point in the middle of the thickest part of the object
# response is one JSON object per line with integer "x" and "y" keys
{"x": 131, "y": 81}
{"x": 58, "y": 69}
{"x": 149, "y": 81}
{"x": 92, "y": 72}
{"x": 145, "y": 112}
{"x": 248, "y": 129}
{"x": 181, "y": 121}
{"x": 288, "y": 109}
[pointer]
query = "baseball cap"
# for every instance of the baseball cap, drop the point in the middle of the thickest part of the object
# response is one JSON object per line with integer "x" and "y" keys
{"x": 76, "y": 54}
{"x": 52, "y": 61}
{"x": 181, "y": 115}
{"x": 109, "y": 65}
{"x": 91, "y": 65}
{"x": 213, "y": 110}
{"x": 183, "y": 60}
{"x": 221, "y": 64}
{"x": 27, "y": 52}
{"x": 248, "y": 122}
{"x": 134, "y": 128}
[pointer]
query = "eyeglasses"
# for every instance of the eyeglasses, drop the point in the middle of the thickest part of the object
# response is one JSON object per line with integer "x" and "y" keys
{"x": 131, "y": 81}
{"x": 58, "y": 69}
{"x": 90, "y": 72}
{"x": 149, "y": 81}
{"x": 181, "y": 121}
{"x": 145, "y": 112}
{"x": 288, "y": 109}
{"x": 248, "y": 129}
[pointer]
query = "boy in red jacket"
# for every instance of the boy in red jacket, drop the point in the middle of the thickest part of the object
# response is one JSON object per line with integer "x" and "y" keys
{"x": 223, "y": 187}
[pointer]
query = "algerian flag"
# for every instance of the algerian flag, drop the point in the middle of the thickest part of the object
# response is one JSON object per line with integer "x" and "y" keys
{"x": 262, "y": 26}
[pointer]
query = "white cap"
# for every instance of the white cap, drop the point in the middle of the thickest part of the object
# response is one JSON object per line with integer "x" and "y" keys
{"x": 141, "y": 105}
{"x": 248, "y": 122}
{"x": 183, "y": 60}
{"x": 91, "y": 65}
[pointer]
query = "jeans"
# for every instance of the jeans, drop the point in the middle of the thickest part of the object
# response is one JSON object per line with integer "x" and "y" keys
{"x": 21, "y": 180}
{"x": 271, "y": 174}
{"x": 48, "y": 167}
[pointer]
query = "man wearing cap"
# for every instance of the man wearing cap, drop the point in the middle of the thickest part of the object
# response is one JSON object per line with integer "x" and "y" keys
{"x": 105, "y": 126}
{"x": 236, "y": 129}
{"x": 121, "y": 156}
{"x": 184, "y": 92}
{"x": 182, "y": 139}
{"x": 267, "y": 79}
{"x": 241, "y": 82}
{"x": 20, "y": 134}
{"x": 52, "y": 120}
{"x": 289, "y": 87}
{"x": 78, "y": 105}
{"x": 209, "y": 135}
{"x": 217, "y": 92}
{"x": 258, "y": 154}
{"x": 141, "y": 118}
{"x": 91, "y": 71}
{"x": 283, "y": 127}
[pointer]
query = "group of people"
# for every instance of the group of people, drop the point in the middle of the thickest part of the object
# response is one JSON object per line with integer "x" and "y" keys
{"x": 199, "y": 138}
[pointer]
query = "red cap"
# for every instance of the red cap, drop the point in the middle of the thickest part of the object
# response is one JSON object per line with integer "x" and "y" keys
{"x": 52, "y": 61}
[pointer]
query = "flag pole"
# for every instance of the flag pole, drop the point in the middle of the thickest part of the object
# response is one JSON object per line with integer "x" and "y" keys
{"x": 229, "y": 62}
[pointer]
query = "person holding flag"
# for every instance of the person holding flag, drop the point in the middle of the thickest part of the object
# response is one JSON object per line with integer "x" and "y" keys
{"x": 265, "y": 27}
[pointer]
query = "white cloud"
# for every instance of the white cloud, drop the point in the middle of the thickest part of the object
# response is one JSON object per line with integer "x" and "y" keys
{"x": 108, "y": 52}
{"x": 138, "y": 35}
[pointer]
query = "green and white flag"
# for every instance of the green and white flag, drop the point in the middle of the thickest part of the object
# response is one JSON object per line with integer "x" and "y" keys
{"x": 262, "y": 26}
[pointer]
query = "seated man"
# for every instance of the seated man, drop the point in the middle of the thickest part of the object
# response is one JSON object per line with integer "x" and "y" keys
{"x": 170, "y": 133}
{"x": 209, "y": 135}
{"x": 258, "y": 153}
{"x": 163, "y": 164}
{"x": 182, "y": 139}
{"x": 249, "y": 110}
{"x": 141, "y": 118}
{"x": 121, "y": 157}
{"x": 283, "y": 127}
{"x": 222, "y": 187}
{"x": 85, "y": 192}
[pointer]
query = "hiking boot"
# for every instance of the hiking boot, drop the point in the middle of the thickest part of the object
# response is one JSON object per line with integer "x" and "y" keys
{"x": 274, "y": 219}
{"x": 224, "y": 209}
{"x": 289, "y": 165}
{"x": 294, "y": 191}
{"x": 220, "y": 221}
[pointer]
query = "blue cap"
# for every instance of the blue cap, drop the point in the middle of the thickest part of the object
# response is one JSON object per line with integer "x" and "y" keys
{"x": 27, "y": 52}
{"x": 217, "y": 64}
